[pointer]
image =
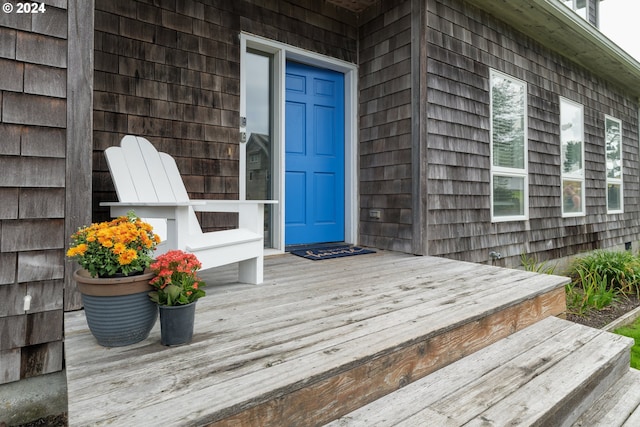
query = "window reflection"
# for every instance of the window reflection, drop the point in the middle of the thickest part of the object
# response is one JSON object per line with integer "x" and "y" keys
{"x": 572, "y": 196}
{"x": 613, "y": 149}
{"x": 572, "y": 156}
{"x": 508, "y": 103}
{"x": 508, "y": 196}
{"x": 259, "y": 158}
{"x": 614, "y": 197}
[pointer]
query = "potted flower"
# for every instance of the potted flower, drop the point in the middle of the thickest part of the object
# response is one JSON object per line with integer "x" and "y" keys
{"x": 114, "y": 278}
{"x": 176, "y": 291}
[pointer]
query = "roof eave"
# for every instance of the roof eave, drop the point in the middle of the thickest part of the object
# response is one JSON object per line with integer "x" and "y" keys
{"x": 557, "y": 27}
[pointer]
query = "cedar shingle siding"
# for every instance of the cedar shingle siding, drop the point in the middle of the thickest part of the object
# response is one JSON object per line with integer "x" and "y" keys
{"x": 33, "y": 108}
{"x": 385, "y": 128}
{"x": 464, "y": 43}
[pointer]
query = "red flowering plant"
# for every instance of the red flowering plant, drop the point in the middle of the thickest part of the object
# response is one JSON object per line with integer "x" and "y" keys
{"x": 176, "y": 281}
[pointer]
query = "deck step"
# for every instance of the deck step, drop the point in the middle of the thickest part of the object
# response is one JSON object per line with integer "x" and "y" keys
{"x": 547, "y": 374}
{"x": 619, "y": 406}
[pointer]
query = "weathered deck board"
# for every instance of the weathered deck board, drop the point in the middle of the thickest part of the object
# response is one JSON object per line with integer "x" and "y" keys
{"x": 583, "y": 374}
{"x": 543, "y": 375}
{"x": 308, "y": 322}
{"x": 620, "y": 404}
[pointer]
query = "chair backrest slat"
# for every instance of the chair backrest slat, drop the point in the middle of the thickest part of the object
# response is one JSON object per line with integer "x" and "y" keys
{"x": 173, "y": 177}
{"x": 180, "y": 192}
{"x": 142, "y": 174}
{"x": 122, "y": 179}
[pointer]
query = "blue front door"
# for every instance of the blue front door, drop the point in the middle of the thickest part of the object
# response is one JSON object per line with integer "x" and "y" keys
{"x": 314, "y": 145}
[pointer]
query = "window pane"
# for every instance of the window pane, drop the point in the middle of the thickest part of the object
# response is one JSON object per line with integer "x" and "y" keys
{"x": 614, "y": 197}
{"x": 508, "y": 196}
{"x": 259, "y": 139}
{"x": 572, "y": 196}
{"x": 579, "y": 6}
{"x": 613, "y": 146}
{"x": 572, "y": 153}
{"x": 571, "y": 135}
{"x": 508, "y": 122}
{"x": 614, "y": 154}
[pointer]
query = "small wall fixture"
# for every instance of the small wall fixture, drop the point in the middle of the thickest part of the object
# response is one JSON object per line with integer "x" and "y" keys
{"x": 495, "y": 255}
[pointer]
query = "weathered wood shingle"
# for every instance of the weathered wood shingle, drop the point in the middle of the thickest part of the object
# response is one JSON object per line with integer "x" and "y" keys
{"x": 33, "y": 189}
{"x": 385, "y": 128}
{"x": 463, "y": 44}
{"x": 171, "y": 72}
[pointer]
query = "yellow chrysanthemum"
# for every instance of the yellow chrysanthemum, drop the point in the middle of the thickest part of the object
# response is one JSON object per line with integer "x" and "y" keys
{"x": 119, "y": 248}
{"x": 124, "y": 244}
{"x": 77, "y": 250}
{"x": 127, "y": 257}
{"x": 105, "y": 242}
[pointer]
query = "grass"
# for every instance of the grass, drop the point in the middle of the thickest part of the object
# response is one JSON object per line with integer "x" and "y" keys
{"x": 632, "y": 331}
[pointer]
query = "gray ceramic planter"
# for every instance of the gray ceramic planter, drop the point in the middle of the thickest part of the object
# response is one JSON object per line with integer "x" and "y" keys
{"x": 118, "y": 310}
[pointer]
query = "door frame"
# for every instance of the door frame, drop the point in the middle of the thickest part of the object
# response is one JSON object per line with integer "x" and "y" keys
{"x": 281, "y": 54}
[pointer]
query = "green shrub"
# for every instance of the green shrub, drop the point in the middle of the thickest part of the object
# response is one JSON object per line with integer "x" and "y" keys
{"x": 590, "y": 291}
{"x": 620, "y": 270}
{"x": 600, "y": 278}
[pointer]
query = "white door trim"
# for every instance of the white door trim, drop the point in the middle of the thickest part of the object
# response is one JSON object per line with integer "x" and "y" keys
{"x": 281, "y": 53}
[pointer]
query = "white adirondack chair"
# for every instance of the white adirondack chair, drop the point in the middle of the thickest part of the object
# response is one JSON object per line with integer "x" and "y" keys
{"x": 148, "y": 182}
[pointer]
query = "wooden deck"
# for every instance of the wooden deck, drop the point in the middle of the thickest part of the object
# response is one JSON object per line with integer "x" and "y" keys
{"x": 317, "y": 340}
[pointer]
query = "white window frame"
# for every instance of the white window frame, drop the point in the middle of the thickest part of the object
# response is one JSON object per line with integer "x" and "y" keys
{"x": 576, "y": 177}
{"x": 501, "y": 171}
{"x": 573, "y": 5}
{"x": 614, "y": 181}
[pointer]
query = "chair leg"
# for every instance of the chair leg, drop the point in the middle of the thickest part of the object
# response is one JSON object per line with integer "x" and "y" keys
{"x": 250, "y": 271}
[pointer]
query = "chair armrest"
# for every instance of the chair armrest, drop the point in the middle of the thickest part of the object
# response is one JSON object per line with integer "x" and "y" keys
{"x": 250, "y": 212}
{"x": 168, "y": 210}
{"x": 228, "y": 205}
{"x": 153, "y": 204}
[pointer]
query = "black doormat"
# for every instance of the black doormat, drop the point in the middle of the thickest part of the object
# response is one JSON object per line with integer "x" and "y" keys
{"x": 320, "y": 253}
